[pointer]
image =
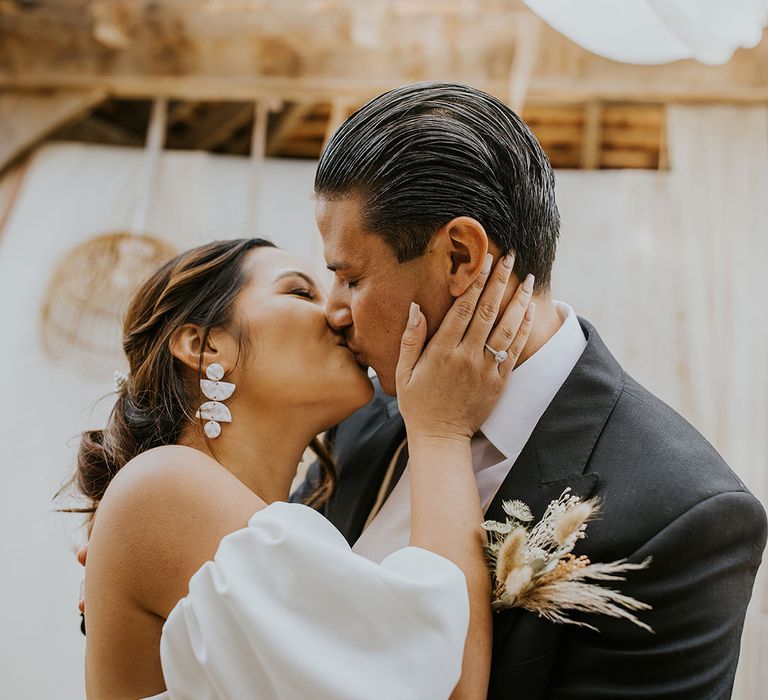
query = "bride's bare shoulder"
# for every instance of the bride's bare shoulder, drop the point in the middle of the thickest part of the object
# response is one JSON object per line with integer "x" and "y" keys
{"x": 167, "y": 460}
{"x": 174, "y": 474}
{"x": 164, "y": 513}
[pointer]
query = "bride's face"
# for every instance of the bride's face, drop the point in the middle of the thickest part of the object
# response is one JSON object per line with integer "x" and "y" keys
{"x": 291, "y": 357}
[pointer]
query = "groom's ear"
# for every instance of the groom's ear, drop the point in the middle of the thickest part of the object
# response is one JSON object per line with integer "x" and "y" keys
{"x": 462, "y": 244}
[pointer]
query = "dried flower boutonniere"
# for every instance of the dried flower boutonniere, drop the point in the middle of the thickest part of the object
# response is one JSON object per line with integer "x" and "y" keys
{"x": 533, "y": 567}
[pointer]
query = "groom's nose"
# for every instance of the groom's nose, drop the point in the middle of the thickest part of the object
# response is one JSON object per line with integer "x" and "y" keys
{"x": 339, "y": 319}
{"x": 338, "y": 313}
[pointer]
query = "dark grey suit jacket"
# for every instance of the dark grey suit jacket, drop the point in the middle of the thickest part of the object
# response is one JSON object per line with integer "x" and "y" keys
{"x": 666, "y": 493}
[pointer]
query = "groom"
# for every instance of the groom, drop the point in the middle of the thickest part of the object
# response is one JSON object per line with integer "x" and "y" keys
{"x": 411, "y": 192}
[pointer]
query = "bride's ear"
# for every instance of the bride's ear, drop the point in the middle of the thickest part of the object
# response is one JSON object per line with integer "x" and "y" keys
{"x": 463, "y": 245}
{"x": 186, "y": 345}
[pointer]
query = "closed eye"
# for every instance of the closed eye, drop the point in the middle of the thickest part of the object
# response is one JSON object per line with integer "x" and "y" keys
{"x": 304, "y": 292}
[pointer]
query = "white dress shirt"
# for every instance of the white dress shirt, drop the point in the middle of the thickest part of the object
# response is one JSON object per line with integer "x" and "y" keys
{"x": 496, "y": 447}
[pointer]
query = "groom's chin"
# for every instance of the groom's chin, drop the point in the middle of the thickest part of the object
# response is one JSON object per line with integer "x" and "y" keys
{"x": 388, "y": 385}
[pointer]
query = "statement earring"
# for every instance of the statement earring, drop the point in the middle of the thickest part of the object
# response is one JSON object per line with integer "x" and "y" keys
{"x": 217, "y": 391}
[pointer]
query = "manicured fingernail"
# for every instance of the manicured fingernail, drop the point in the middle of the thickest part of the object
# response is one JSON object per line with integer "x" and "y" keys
{"x": 509, "y": 261}
{"x": 487, "y": 263}
{"x": 528, "y": 284}
{"x": 413, "y": 315}
{"x": 530, "y": 312}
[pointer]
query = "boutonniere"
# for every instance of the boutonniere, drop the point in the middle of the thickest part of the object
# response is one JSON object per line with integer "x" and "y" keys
{"x": 534, "y": 568}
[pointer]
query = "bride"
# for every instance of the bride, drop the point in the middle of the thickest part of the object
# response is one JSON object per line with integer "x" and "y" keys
{"x": 202, "y": 582}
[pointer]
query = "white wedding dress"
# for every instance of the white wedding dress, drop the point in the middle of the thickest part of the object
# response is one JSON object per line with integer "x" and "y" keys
{"x": 287, "y": 611}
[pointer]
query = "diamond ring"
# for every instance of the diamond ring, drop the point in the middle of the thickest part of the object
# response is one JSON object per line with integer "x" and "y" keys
{"x": 499, "y": 355}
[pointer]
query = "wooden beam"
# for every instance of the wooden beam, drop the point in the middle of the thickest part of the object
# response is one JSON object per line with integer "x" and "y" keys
{"x": 542, "y": 91}
{"x": 26, "y": 118}
{"x": 301, "y": 51}
{"x": 302, "y": 149}
{"x": 627, "y": 158}
{"x": 339, "y": 110}
{"x": 565, "y": 161}
{"x": 156, "y": 131}
{"x": 240, "y": 145}
{"x": 289, "y": 121}
{"x": 527, "y": 34}
{"x": 10, "y": 187}
{"x": 217, "y": 126}
{"x": 590, "y": 146}
{"x": 312, "y": 129}
{"x": 97, "y": 129}
{"x": 636, "y": 115}
{"x": 182, "y": 112}
{"x": 555, "y": 114}
{"x": 631, "y": 136}
{"x": 261, "y": 111}
{"x": 664, "y": 145}
{"x": 557, "y": 133}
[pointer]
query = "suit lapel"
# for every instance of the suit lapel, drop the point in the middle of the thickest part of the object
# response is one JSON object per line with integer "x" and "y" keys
{"x": 557, "y": 453}
{"x": 555, "y": 457}
{"x": 526, "y": 485}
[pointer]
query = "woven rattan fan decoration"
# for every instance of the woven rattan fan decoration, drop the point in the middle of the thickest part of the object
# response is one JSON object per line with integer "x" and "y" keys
{"x": 87, "y": 298}
{"x": 82, "y": 313}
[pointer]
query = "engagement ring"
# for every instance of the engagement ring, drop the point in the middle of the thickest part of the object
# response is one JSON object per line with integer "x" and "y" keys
{"x": 499, "y": 355}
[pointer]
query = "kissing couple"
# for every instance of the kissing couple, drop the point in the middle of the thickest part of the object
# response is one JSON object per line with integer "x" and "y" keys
{"x": 205, "y": 578}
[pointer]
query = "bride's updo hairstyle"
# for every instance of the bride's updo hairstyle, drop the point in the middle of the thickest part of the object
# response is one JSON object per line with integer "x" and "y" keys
{"x": 157, "y": 401}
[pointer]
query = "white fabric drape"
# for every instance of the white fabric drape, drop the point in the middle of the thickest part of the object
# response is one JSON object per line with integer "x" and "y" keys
{"x": 657, "y": 31}
{"x": 668, "y": 265}
{"x": 286, "y": 611}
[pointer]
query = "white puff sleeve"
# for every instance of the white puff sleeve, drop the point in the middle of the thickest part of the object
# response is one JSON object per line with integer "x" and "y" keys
{"x": 287, "y": 611}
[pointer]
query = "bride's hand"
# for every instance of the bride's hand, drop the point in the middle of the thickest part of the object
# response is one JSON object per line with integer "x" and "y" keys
{"x": 449, "y": 388}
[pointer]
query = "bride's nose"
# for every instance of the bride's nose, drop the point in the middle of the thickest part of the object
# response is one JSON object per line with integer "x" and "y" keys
{"x": 82, "y": 554}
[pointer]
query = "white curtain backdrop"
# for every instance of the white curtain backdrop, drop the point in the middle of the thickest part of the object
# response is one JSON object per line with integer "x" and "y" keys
{"x": 670, "y": 267}
{"x": 70, "y": 193}
{"x": 667, "y": 265}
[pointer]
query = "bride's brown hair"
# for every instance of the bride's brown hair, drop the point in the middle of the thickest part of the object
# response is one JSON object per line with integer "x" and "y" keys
{"x": 156, "y": 403}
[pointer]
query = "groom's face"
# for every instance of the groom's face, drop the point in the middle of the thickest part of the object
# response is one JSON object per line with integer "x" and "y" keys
{"x": 372, "y": 291}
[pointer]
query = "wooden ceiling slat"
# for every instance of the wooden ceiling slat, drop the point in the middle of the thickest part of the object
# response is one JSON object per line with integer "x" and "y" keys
{"x": 584, "y": 136}
{"x": 555, "y": 133}
{"x": 99, "y": 129}
{"x": 292, "y": 118}
{"x": 554, "y": 114}
{"x": 570, "y": 160}
{"x": 310, "y": 130}
{"x": 302, "y": 149}
{"x": 632, "y": 137}
{"x": 637, "y": 115}
{"x": 215, "y": 127}
{"x": 625, "y": 158}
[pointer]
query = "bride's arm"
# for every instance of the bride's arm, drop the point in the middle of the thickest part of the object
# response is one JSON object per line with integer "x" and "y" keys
{"x": 445, "y": 394}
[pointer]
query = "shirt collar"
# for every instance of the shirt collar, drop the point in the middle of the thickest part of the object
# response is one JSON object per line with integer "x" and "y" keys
{"x": 533, "y": 385}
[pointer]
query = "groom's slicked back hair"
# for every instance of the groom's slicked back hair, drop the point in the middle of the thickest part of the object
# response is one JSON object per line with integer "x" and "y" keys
{"x": 423, "y": 154}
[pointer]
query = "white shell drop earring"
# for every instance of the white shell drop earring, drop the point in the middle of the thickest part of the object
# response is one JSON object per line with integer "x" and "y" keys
{"x": 217, "y": 391}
